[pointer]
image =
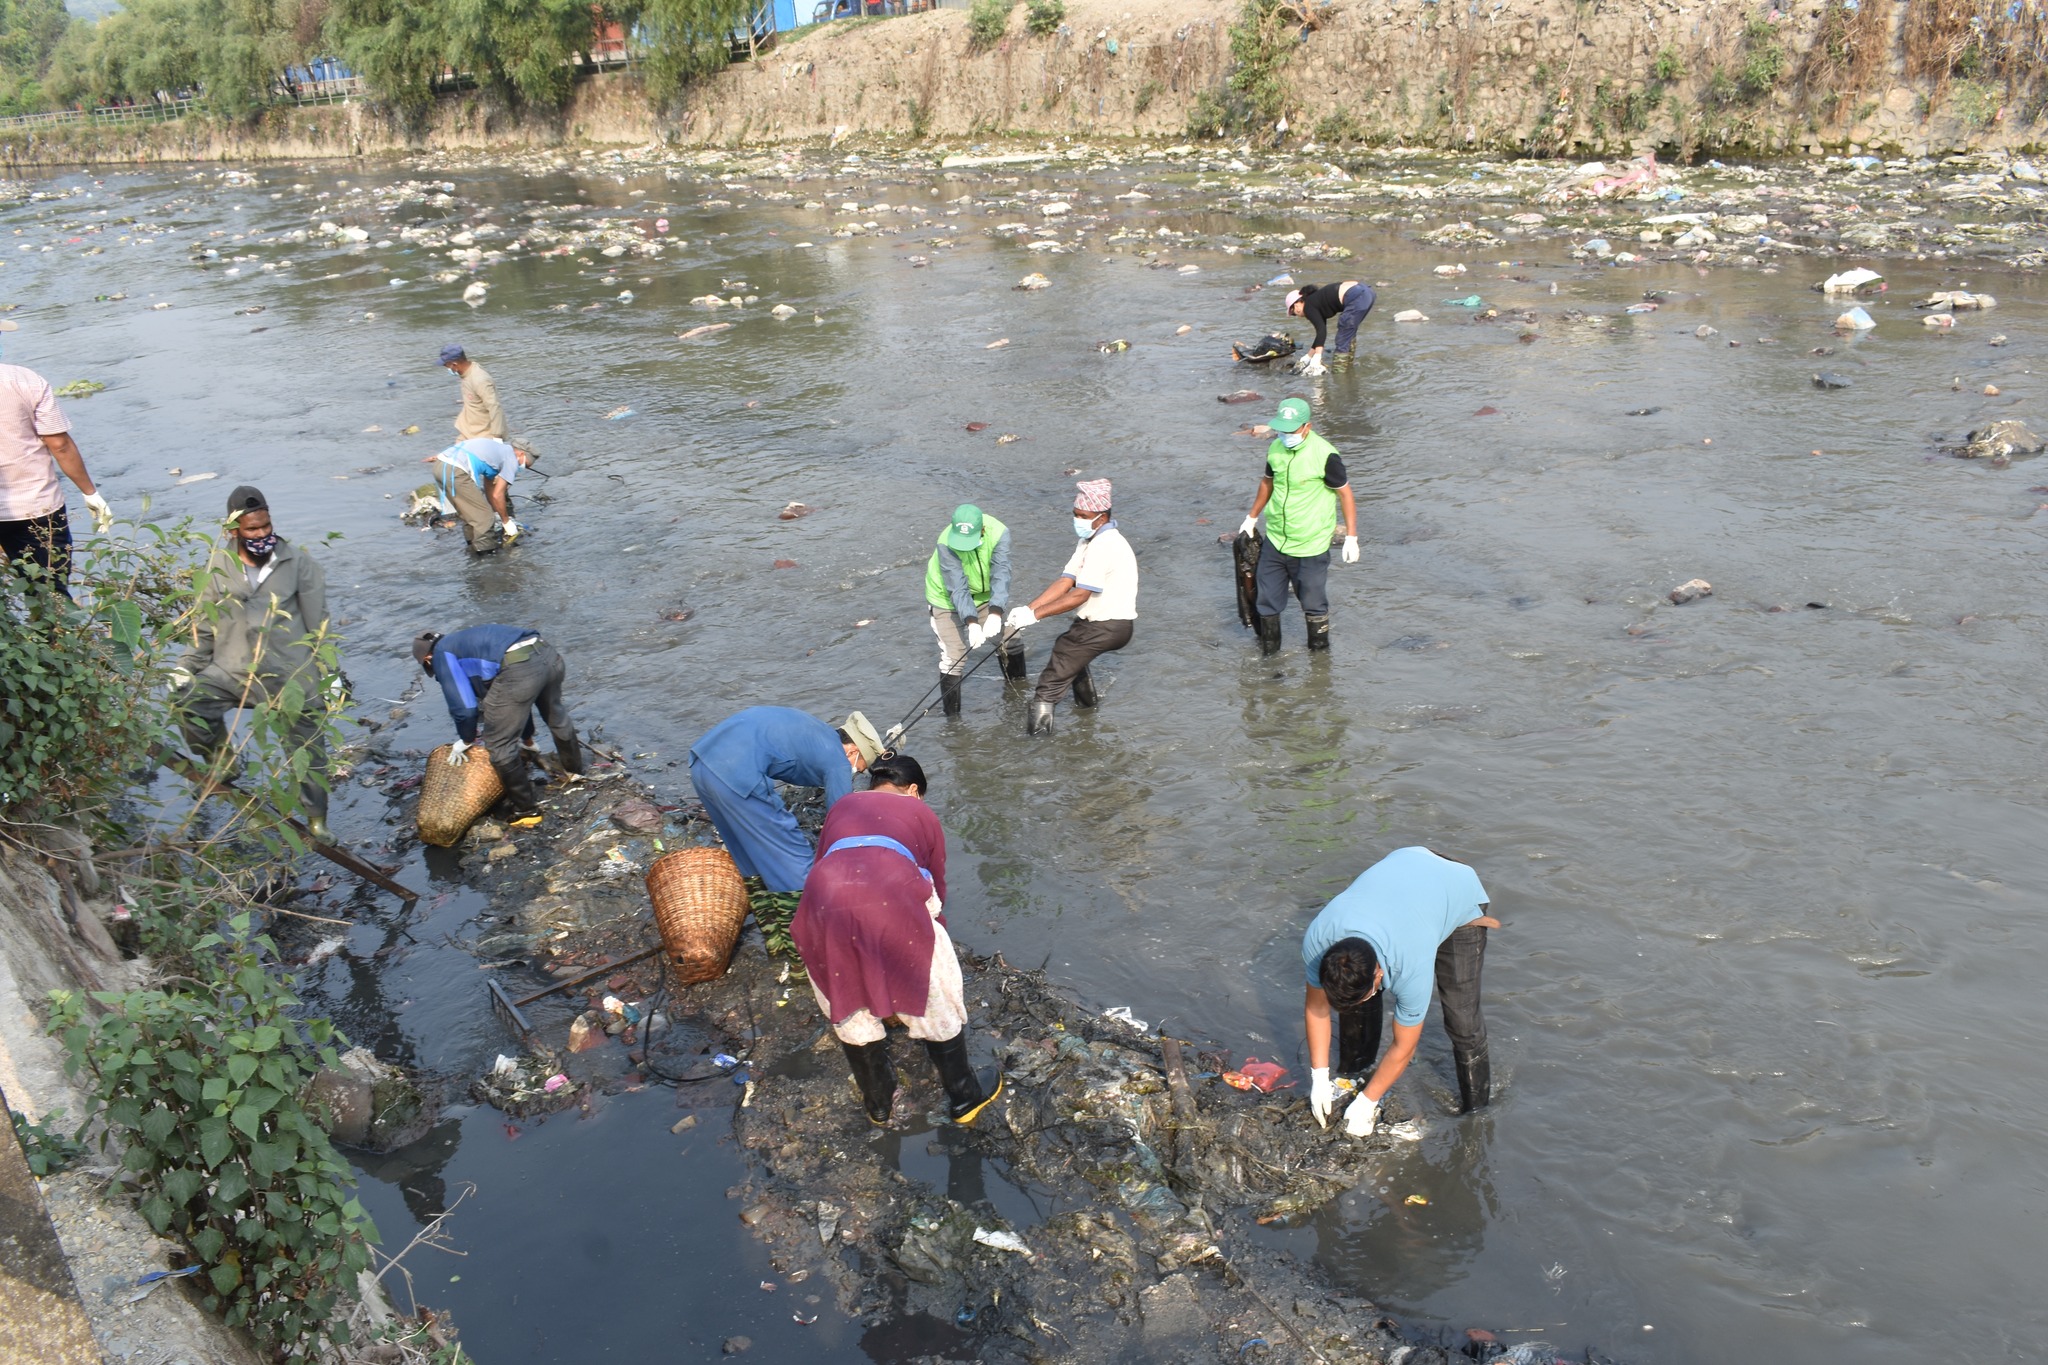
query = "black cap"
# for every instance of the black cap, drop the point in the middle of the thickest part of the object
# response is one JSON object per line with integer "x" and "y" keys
{"x": 423, "y": 647}
{"x": 246, "y": 499}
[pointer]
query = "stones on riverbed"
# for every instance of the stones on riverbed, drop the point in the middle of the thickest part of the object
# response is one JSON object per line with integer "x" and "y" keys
{"x": 1411, "y": 315}
{"x": 706, "y": 330}
{"x": 1828, "y": 379}
{"x": 364, "y": 1102}
{"x": 1940, "y": 321}
{"x": 1703, "y": 331}
{"x": 795, "y": 511}
{"x": 1958, "y": 301}
{"x": 1240, "y": 396}
{"x": 2000, "y": 441}
{"x": 733, "y": 1346}
{"x": 1855, "y": 320}
{"x": 782, "y": 312}
{"x": 1859, "y": 280}
{"x": 1692, "y": 590}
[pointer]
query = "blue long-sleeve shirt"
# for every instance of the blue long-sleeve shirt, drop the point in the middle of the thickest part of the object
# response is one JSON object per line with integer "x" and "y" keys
{"x": 465, "y": 663}
{"x": 751, "y": 750}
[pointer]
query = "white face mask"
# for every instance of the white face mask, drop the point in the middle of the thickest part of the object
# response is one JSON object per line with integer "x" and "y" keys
{"x": 1084, "y": 527}
{"x": 1293, "y": 439}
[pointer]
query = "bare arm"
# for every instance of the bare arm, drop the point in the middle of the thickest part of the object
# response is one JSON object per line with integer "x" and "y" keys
{"x": 1350, "y": 505}
{"x": 1315, "y": 1021}
{"x": 1063, "y": 596}
{"x": 1396, "y": 1060}
{"x": 497, "y": 497}
{"x": 65, "y": 452}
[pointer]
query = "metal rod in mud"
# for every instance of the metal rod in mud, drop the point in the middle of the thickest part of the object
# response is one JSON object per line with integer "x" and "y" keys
{"x": 922, "y": 707}
{"x": 590, "y": 975}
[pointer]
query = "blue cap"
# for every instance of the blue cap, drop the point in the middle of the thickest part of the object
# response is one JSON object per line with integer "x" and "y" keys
{"x": 452, "y": 353}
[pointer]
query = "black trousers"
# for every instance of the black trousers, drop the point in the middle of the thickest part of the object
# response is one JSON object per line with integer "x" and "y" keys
{"x": 44, "y": 541}
{"x": 507, "y": 714}
{"x": 1458, "y": 962}
{"x": 1075, "y": 650}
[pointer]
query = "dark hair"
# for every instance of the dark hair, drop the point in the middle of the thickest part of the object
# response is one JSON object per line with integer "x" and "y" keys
{"x": 1306, "y": 290}
{"x": 898, "y": 770}
{"x": 1347, "y": 971}
{"x": 844, "y": 738}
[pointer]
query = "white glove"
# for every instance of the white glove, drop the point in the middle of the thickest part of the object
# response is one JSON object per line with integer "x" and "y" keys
{"x": 1321, "y": 1095}
{"x": 1311, "y": 364}
{"x": 458, "y": 753}
{"x": 179, "y": 679}
{"x": 1250, "y": 527}
{"x": 511, "y": 529}
{"x": 1361, "y": 1116}
{"x": 1351, "y": 549}
{"x": 1021, "y": 617}
{"x": 895, "y": 733}
{"x": 102, "y": 515}
{"x": 975, "y": 635}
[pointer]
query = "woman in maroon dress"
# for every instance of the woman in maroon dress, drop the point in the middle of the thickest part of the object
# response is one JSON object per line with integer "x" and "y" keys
{"x": 872, "y": 933}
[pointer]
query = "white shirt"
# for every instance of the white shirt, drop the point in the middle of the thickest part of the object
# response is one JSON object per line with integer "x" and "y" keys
{"x": 1104, "y": 565}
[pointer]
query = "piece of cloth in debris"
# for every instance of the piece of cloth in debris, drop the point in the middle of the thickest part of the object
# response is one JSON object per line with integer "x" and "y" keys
{"x": 1405, "y": 905}
{"x": 870, "y": 926}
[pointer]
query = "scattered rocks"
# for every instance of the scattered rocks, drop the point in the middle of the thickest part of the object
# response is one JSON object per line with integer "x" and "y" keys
{"x": 1828, "y": 379}
{"x": 2000, "y": 441}
{"x": 1691, "y": 591}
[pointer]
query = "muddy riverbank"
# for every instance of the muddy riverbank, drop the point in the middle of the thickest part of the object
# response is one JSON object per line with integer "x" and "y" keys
{"x": 1532, "y": 77}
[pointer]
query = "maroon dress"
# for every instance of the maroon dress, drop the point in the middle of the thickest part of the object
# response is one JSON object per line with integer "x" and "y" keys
{"x": 862, "y": 927}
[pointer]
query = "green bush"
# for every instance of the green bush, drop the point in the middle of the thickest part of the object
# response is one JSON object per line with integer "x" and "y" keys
{"x": 48, "y": 1148}
{"x": 1043, "y": 17}
{"x": 987, "y": 22}
{"x": 201, "y": 1087}
{"x": 1669, "y": 65}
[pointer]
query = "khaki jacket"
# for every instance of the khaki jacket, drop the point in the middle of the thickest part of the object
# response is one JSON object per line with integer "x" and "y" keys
{"x": 481, "y": 413}
{"x": 261, "y": 630}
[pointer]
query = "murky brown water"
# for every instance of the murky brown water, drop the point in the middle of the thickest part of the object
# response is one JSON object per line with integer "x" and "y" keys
{"x": 1764, "y": 1012}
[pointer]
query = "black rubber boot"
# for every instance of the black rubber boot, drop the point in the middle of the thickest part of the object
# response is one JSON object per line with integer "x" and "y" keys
{"x": 875, "y": 1079}
{"x": 1475, "y": 1081}
{"x": 967, "y": 1094}
{"x": 1084, "y": 689}
{"x": 1358, "y": 1040}
{"x": 569, "y": 754}
{"x": 1269, "y": 634}
{"x": 949, "y": 692}
{"x": 1040, "y": 722}
{"x": 1318, "y": 631}
{"x": 1013, "y": 659}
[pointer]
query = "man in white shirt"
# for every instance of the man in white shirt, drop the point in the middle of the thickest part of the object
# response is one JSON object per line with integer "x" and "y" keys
{"x": 35, "y": 443}
{"x": 1100, "y": 586}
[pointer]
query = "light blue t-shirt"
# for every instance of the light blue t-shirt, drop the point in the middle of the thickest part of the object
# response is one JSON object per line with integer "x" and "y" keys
{"x": 1405, "y": 905}
{"x": 483, "y": 457}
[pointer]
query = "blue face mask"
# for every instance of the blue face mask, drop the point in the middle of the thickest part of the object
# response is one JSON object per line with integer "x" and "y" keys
{"x": 261, "y": 547}
{"x": 1084, "y": 527}
{"x": 1293, "y": 439}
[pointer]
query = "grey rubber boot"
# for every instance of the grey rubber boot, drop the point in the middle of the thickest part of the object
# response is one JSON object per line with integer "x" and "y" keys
{"x": 1040, "y": 722}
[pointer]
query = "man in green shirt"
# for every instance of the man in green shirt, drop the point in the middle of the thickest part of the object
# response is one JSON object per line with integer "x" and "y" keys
{"x": 1303, "y": 487}
{"x": 966, "y": 585}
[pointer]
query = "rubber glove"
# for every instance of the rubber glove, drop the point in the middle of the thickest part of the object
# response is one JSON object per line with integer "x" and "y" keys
{"x": 889, "y": 740}
{"x": 1021, "y": 617}
{"x": 1250, "y": 527}
{"x": 1312, "y": 364}
{"x": 511, "y": 529}
{"x": 1351, "y": 549}
{"x": 458, "y": 753}
{"x": 1361, "y": 1116}
{"x": 975, "y": 635}
{"x": 179, "y": 679}
{"x": 1321, "y": 1095}
{"x": 102, "y": 515}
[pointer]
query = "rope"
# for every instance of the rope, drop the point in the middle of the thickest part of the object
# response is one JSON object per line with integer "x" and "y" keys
{"x": 922, "y": 707}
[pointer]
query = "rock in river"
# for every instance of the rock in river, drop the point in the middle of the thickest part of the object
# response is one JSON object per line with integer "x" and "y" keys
{"x": 2000, "y": 441}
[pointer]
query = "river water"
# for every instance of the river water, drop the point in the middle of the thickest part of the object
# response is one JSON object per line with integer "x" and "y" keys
{"x": 1764, "y": 1029}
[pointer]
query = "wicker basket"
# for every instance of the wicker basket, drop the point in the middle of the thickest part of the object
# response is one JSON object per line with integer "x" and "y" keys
{"x": 700, "y": 904}
{"x": 451, "y": 798}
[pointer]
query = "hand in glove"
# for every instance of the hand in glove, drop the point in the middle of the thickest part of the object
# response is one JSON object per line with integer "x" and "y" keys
{"x": 458, "y": 753}
{"x": 1361, "y": 1116}
{"x": 102, "y": 515}
{"x": 1021, "y": 617}
{"x": 895, "y": 733}
{"x": 512, "y": 529}
{"x": 1312, "y": 364}
{"x": 975, "y": 635}
{"x": 179, "y": 679}
{"x": 1250, "y": 527}
{"x": 1351, "y": 549}
{"x": 1321, "y": 1095}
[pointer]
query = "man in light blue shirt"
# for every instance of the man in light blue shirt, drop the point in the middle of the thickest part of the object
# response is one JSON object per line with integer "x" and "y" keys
{"x": 476, "y": 476}
{"x": 1410, "y": 917}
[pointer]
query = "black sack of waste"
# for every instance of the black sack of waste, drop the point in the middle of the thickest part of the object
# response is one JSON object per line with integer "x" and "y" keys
{"x": 1244, "y": 554}
{"x": 1264, "y": 349}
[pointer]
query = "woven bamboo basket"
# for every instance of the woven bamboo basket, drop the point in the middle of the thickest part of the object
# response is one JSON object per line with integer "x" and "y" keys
{"x": 700, "y": 904}
{"x": 451, "y": 798}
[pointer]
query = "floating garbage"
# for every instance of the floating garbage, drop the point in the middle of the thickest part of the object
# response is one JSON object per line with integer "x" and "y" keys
{"x": 1032, "y": 281}
{"x": 997, "y": 344}
{"x": 81, "y": 388}
{"x": 793, "y": 512}
{"x": 474, "y": 294}
{"x": 1283, "y": 278}
{"x": 1241, "y": 396}
{"x": 197, "y": 478}
{"x": 1448, "y": 270}
{"x": 1122, "y": 1014}
{"x": 1469, "y": 301}
{"x": 782, "y": 311}
{"x": 618, "y": 414}
{"x": 1266, "y": 348}
{"x": 1942, "y": 321}
{"x": 706, "y": 330}
{"x": 1112, "y": 347}
{"x": 1411, "y": 315}
{"x": 1828, "y": 379}
{"x": 1851, "y": 281}
{"x": 1855, "y": 320}
{"x": 1263, "y": 1077}
{"x": 1597, "y": 247}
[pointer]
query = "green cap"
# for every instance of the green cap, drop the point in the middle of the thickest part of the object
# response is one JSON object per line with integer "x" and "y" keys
{"x": 1293, "y": 415}
{"x": 965, "y": 531}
